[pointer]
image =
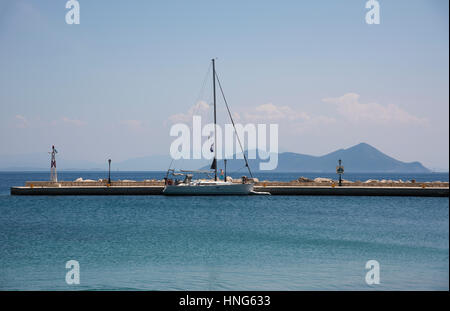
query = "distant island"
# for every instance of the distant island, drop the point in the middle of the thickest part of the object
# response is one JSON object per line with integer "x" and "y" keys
{"x": 361, "y": 158}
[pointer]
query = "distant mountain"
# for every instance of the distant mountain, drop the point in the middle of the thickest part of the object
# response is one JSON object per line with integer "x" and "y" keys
{"x": 361, "y": 158}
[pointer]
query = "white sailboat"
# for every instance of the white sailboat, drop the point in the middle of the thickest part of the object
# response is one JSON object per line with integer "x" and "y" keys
{"x": 187, "y": 186}
{"x": 207, "y": 187}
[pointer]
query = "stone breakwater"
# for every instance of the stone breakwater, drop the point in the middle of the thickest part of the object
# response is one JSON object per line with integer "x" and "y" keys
{"x": 301, "y": 186}
{"x": 301, "y": 182}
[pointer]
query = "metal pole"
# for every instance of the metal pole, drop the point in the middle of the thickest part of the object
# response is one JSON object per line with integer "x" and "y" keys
{"x": 215, "y": 118}
{"x": 109, "y": 171}
{"x": 225, "y": 164}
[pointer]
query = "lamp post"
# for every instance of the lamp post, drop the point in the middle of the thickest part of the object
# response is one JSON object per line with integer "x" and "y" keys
{"x": 109, "y": 171}
{"x": 340, "y": 171}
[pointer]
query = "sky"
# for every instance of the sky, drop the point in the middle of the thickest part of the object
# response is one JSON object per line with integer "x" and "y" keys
{"x": 112, "y": 86}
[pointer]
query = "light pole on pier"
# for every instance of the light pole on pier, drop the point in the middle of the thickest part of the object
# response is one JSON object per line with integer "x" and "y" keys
{"x": 340, "y": 171}
{"x": 109, "y": 171}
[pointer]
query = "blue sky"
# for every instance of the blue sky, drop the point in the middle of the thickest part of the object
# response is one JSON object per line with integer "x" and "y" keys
{"x": 110, "y": 86}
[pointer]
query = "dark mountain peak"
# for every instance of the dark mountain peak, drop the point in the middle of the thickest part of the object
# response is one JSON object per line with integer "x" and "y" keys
{"x": 358, "y": 158}
{"x": 362, "y": 147}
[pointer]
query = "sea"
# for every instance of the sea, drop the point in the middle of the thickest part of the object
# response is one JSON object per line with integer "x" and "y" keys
{"x": 222, "y": 242}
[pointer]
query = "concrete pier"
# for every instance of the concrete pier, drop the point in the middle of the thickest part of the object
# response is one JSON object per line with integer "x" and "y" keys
{"x": 357, "y": 191}
{"x": 274, "y": 190}
{"x": 92, "y": 190}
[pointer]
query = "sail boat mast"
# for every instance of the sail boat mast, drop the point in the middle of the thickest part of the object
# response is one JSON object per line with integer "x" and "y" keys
{"x": 188, "y": 187}
{"x": 215, "y": 120}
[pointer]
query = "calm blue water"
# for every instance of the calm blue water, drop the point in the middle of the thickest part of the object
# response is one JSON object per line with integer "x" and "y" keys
{"x": 220, "y": 243}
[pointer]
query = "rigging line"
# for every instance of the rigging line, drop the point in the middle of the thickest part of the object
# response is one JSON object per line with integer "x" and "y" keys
{"x": 200, "y": 94}
{"x": 167, "y": 174}
{"x": 232, "y": 121}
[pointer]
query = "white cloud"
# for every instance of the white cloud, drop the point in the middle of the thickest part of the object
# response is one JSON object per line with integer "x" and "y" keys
{"x": 67, "y": 121}
{"x": 73, "y": 121}
{"x": 236, "y": 116}
{"x": 21, "y": 121}
{"x": 349, "y": 107}
{"x": 199, "y": 108}
{"x": 271, "y": 113}
{"x": 289, "y": 119}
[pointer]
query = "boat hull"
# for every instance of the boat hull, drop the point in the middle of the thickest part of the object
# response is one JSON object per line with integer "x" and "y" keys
{"x": 232, "y": 189}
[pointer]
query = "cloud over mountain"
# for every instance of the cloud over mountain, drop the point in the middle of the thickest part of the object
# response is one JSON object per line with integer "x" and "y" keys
{"x": 349, "y": 107}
